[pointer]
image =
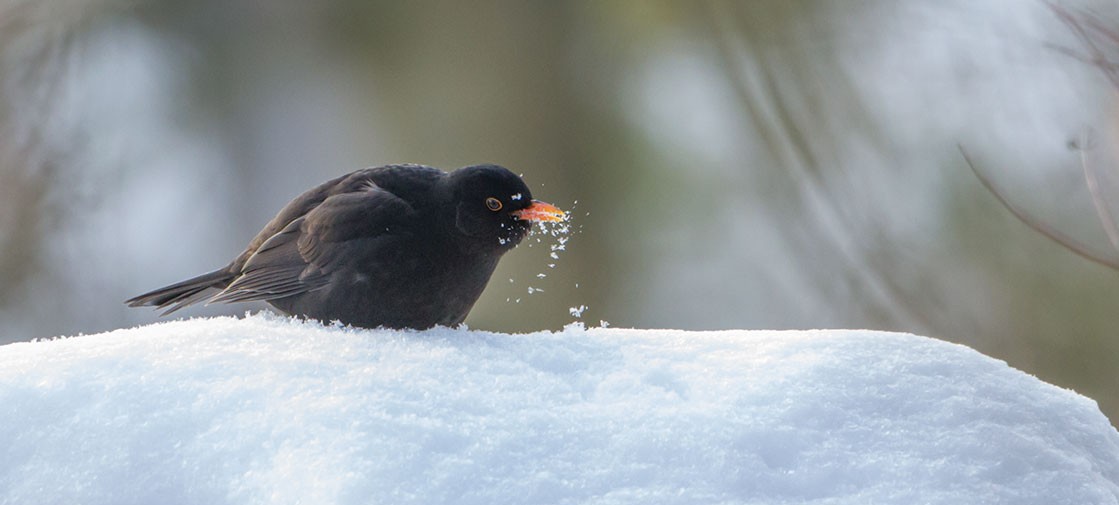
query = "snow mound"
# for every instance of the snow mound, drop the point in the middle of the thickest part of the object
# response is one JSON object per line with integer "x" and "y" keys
{"x": 272, "y": 410}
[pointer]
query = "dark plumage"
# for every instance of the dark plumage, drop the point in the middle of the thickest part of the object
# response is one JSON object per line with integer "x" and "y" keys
{"x": 400, "y": 246}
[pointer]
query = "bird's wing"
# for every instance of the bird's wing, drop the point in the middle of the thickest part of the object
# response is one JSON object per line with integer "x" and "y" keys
{"x": 302, "y": 255}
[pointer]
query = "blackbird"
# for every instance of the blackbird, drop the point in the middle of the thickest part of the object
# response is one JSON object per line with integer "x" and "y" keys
{"x": 398, "y": 246}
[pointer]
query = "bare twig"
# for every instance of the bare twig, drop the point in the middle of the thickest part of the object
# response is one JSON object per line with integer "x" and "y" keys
{"x": 1107, "y": 220}
{"x": 1078, "y": 56}
{"x": 1089, "y": 30}
{"x": 1037, "y": 225}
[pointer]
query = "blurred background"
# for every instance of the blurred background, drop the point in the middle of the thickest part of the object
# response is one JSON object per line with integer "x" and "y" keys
{"x": 729, "y": 164}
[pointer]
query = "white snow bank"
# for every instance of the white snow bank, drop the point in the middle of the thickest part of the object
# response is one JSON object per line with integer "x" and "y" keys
{"x": 270, "y": 410}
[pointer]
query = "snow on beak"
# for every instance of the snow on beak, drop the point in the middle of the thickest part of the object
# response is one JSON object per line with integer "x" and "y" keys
{"x": 540, "y": 211}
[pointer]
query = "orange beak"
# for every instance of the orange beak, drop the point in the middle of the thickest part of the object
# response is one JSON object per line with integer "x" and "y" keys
{"x": 540, "y": 211}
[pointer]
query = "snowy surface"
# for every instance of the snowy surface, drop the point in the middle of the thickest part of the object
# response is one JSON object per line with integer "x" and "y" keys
{"x": 269, "y": 410}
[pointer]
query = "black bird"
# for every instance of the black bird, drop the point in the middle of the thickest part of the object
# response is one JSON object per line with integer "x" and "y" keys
{"x": 399, "y": 246}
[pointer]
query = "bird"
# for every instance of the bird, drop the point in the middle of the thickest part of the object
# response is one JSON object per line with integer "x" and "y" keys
{"x": 400, "y": 246}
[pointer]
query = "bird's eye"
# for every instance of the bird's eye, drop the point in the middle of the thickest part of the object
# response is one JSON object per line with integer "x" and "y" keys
{"x": 493, "y": 204}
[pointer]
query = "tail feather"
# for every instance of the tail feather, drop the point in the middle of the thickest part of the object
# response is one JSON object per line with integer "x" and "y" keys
{"x": 182, "y": 294}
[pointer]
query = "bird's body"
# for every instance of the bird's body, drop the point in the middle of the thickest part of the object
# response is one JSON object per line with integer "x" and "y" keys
{"x": 399, "y": 246}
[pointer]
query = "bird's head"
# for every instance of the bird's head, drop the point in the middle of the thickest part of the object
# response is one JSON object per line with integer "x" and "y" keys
{"x": 494, "y": 208}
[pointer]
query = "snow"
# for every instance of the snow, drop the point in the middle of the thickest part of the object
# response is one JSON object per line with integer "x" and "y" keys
{"x": 265, "y": 409}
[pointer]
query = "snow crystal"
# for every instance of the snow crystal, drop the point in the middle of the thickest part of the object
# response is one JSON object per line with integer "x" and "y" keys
{"x": 577, "y": 311}
{"x": 267, "y": 409}
{"x": 560, "y": 231}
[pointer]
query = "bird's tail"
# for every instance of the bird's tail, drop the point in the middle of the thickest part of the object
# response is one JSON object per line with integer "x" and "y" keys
{"x": 188, "y": 292}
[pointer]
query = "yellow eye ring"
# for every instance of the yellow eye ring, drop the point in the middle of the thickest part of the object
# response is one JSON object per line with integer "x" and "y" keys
{"x": 493, "y": 204}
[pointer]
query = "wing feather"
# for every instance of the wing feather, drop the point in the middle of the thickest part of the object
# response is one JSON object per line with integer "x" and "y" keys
{"x": 303, "y": 255}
